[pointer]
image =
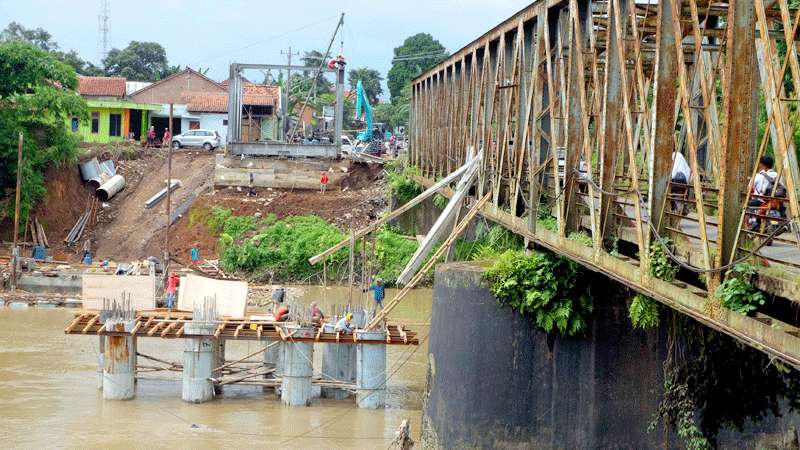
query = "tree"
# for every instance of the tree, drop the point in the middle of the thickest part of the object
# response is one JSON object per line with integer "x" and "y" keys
{"x": 371, "y": 79}
{"x": 312, "y": 58}
{"x": 395, "y": 113}
{"x": 139, "y": 61}
{"x": 417, "y": 53}
{"x": 37, "y": 97}
{"x": 44, "y": 40}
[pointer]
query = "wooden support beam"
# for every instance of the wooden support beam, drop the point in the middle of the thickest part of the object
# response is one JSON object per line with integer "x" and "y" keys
{"x": 91, "y": 323}
{"x": 75, "y": 323}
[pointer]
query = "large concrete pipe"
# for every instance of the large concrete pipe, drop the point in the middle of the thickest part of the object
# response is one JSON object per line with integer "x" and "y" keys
{"x": 111, "y": 187}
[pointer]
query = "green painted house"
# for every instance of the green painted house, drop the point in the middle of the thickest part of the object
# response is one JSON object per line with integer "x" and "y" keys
{"x": 112, "y": 117}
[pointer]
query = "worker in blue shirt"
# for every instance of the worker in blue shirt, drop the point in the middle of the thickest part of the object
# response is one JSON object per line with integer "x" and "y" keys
{"x": 378, "y": 293}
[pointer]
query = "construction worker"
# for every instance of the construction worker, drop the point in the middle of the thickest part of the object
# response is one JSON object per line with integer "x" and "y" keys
{"x": 172, "y": 285}
{"x": 316, "y": 314}
{"x": 378, "y": 293}
{"x": 165, "y": 139}
{"x": 323, "y": 181}
{"x": 343, "y": 325}
{"x": 195, "y": 253}
{"x": 282, "y": 314}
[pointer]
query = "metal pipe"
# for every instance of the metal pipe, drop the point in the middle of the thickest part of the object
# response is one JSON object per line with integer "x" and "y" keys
{"x": 110, "y": 188}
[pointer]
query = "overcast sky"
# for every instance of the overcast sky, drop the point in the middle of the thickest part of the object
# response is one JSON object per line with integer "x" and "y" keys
{"x": 207, "y": 33}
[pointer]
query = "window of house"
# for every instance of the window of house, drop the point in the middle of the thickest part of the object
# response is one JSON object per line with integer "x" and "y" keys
{"x": 95, "y": 122}
{"x": 225, "y": 122}
{"x": 194, "y": 124}
{"x": 75, "y": 124}
{"x": 115, "y": 124}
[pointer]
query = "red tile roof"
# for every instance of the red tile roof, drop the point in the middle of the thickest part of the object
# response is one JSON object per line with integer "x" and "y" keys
{"x": 101, "y": 86}
{"x": 254, "y": 94}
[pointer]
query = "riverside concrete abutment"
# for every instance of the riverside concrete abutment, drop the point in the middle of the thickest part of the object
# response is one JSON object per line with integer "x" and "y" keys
{"x": 496, "y": 381}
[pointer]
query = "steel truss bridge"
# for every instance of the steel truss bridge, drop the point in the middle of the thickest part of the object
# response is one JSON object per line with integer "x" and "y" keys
{"x": 579, "y": 105}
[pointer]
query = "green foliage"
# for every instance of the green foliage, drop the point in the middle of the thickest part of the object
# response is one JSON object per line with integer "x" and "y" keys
{"x": 440, "y": 201}
{"x": 492, "y": 242}
{"x": 215, "y": 220}
{"x": 236, "y": 226}
{"x": 392, "y": 253}
{"x": 581, "y": 237}
{"x": 543, "y": 287}
{"x": 417, "y": 53}
{"x": 41, "y": 38}
{"x": 661, "y": 265}
{"x": 713, "y": 382}
{"x": 282, "y": 249}
{"x": 395, "y": 113}
{"x": 643, "y": 312}
{"x": 371, "y": 80}
{"x": 37, "y": 98}
{"x": 140, "y": 61}
{"x": 399, "y": 182}
{"x": 737, "y": 293}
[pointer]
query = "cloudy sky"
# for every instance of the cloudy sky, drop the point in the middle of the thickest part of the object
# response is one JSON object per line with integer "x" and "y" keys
{"x": 208, "y": 33}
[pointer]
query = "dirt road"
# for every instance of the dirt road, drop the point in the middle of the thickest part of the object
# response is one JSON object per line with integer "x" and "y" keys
{"x": 125, "y": 237}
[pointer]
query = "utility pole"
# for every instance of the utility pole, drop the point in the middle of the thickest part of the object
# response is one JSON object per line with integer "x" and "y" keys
{"x": 288, "y": 88}
{"x": 14, "y": 249}
{"x": 169, "y": 192}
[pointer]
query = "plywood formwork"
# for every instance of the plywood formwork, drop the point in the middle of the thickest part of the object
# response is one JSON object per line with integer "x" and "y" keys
{"x": 230, "y": 296}
{"x": 141, "y": 290}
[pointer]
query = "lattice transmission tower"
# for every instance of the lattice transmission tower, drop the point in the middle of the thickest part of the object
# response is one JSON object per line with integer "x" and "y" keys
{"x": 103, "y": 29}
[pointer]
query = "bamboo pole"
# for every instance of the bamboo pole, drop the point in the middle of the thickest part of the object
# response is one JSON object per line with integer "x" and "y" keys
{"x": 447, "y": 243}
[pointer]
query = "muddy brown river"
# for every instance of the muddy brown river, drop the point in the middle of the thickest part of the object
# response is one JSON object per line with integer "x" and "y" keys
{"x": 49, "y": 396}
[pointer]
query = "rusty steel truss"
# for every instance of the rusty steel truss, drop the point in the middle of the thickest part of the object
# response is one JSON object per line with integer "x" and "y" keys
{"x": 579, "y": 106}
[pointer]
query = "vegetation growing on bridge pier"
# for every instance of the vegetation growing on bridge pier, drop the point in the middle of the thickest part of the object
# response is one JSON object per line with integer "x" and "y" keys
{"x": 643, "y": 312}
{"x": 543, "y": 287}
{"x": 661, "y": 265}
{"x": 713, "y": 382}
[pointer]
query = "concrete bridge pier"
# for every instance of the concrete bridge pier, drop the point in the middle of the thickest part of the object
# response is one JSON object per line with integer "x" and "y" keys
{"x": 339, "y": 363}
{"x": 119, "y": 361}
{"x": 219, "y": 362}
{"x": 199, "y": 360}
{"x": 371, "y": 371}
{"x": 297, "y": 368}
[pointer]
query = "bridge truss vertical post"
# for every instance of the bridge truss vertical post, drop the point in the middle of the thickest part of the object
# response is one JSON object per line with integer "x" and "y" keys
{"x": 611, "y": 139}
{"x": 663, "y": 115}
{"x": 739, "y": 109}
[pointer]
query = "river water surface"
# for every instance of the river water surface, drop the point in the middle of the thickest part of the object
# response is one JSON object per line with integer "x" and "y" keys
{"x": 49, "y": 396}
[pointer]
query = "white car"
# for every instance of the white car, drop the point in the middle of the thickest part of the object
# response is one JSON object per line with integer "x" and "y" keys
{"x": 208, "y": 139}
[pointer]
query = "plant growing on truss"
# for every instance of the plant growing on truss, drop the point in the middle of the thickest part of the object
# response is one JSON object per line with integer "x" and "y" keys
{"x": 543, "y": 287}
{"x": 581, "y": 237}
{"x": 643, "y": 312}
{"x": 661, "y": 265}
{"x": 737, "y": 293}
{"x": 440, "y": 201}
{"x": 398, "y": 178}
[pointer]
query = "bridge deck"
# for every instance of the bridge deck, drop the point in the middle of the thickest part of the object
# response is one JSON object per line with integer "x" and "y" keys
{"x": 172, "y": 326}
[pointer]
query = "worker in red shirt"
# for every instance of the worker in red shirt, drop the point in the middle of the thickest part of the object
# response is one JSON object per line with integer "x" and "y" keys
{"x": 323, "y": 181}
{"x": 282, "y": 314}
{"x": 172, "y": 285}
{"x": 165, "y": 140}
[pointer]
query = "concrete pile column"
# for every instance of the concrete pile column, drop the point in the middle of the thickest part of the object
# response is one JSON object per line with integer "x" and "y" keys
{"x": 272, "y": 358}
{"x": 119, "y": 362}
{"x": 199, "y": 359}
{"x": 371, "y": 370}
{"x": 101, "y": 351}
{"x": 339, "y": 363}
{"x": 219, "y": 357}
{"x": 297, "y": 368}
